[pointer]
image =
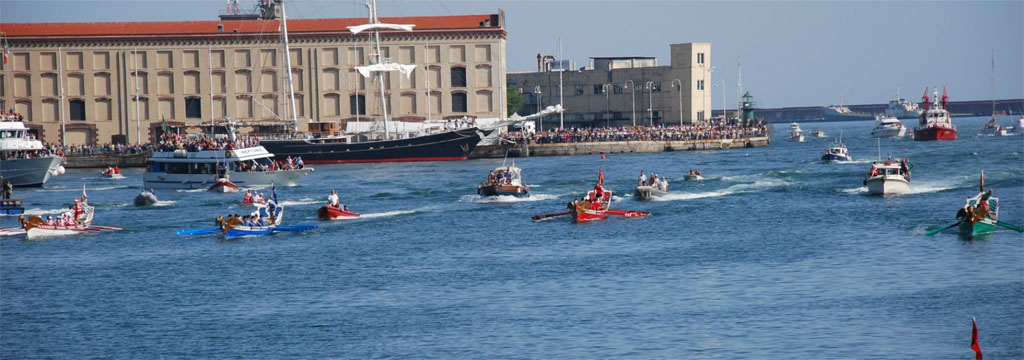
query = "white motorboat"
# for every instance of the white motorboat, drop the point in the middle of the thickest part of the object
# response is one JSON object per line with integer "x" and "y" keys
{"x": 657, "y": 186}
{"x": 992, "y": 127}
{"x": 693, "y": 175}
{"x": 795, "y": 134}
{"x": 888, "y": 126}
{"x": 888, "y": 177}
{"x": 247, "y": 166}
{"x": 24, "y": 161}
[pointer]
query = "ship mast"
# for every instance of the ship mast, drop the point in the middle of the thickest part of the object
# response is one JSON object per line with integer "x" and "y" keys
{"x": 288, "y": 64}
{"x": 378, "y": 63}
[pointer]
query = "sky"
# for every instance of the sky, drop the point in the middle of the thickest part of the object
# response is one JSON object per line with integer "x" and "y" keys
{"x": 793, "y": 53}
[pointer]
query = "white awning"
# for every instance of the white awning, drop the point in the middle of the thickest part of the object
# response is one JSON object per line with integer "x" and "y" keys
{"x": 360, "y": 28}
{"x": 403, "y": 69}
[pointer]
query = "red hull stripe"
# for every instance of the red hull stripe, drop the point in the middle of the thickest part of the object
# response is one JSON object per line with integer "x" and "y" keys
{"x": 453, "y": 158}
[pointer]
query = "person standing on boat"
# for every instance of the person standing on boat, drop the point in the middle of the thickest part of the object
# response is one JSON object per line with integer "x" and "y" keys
{"x": 643, "y": 179}
{"x": 8, "y": 188}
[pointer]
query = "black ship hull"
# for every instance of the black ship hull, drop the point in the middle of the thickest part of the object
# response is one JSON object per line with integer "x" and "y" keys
{"x": 451, "y": 145}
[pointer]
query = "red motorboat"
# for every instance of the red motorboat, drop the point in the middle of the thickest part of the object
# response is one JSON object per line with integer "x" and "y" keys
{"x": 595, "y": 206}
{"x": 329, "y": 212}
{"x": 935, "y": 123}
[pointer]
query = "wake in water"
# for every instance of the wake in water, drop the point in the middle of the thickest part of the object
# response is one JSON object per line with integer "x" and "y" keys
{"x": 190, "y": 190}
{"x": 303, "y": 201}
{"x": 915, "y": 188}
{"x": 757, "y": 186}
{"x": 853, "y": 162}
{"x": 506, "y": 199}
{"x": 387, "y": 214}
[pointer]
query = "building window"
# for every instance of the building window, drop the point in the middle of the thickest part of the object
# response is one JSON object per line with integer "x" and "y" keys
{"x": 700, "y": 84}
{"x": 458, "y": 77}
{"x": 459, "y": 102}
{"x": 656, "y": 86}
{"x": 617, "y": 89}
{"x": 193, "y": 108}
{"x": 578, "y": 90}
{"x": 77, "y": 109}
{"x": 598, "y": 89}
{"x": 357, "y": 104}
{"x": 700, "y": 115}
{"x": 700, "y": 58}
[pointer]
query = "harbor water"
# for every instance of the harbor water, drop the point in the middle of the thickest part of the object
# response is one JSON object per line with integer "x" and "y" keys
{"x": 774, "y": 255}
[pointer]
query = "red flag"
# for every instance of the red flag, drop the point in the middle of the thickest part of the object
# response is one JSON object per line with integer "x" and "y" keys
{"x": 981, "y": 183}
{"x": 974, "y": 340}
{"x": 600, "y": 176}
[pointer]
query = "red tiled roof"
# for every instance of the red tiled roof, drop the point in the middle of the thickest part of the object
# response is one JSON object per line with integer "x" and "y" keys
{"x": 251, "y": 27}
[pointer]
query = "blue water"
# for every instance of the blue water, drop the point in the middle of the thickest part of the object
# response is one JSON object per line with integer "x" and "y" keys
{"x": 774, "y": 256}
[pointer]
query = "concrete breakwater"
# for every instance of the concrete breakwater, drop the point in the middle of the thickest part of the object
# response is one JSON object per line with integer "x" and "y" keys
{"x": 614, "y": 147}
{"x": 105, "y": 160}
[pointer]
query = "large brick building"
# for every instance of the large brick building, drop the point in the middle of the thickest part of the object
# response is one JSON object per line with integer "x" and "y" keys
{"x": 193, "y": 71}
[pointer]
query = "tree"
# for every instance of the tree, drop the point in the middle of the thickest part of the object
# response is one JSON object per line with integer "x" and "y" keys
{"x": 514, "y": 99}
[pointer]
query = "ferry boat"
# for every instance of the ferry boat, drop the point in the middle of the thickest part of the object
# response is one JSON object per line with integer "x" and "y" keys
{"x": 795, "y": 134}
{"x": 836, "y": 152}
{"x": 247, "y": 167}
{"x": 23, "y": 159}
{"x": 935, "y": 123}
{"x": 405, "y": 141}
{"x": 888, "y": 177}
{"x": 888, "y": 126}
{"x": 902, "y": 108}
{"x": 504, "y": 181}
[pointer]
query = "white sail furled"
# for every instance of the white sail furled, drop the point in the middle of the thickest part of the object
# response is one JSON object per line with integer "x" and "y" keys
{"x": 360, "y": 28}
{"x": 367, "y": 71}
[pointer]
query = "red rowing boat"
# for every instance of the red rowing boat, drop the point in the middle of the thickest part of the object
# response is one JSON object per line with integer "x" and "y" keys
{"x": 595, "y": 206}
{"x": 328, "y": 212}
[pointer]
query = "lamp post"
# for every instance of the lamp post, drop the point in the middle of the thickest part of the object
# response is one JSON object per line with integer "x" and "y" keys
{"x": 632, "y": 89}
{"x": 606, "y": 88}
{"x": 725, "y": 117}
{"x": 536, "y": 95}
{"x": 680, "y": 100}
{"x": 650, "y": 100}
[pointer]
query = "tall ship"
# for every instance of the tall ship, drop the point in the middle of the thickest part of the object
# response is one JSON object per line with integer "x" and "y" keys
{"x": 903, "y": 108}
{"x": 935, "y": 123}
{"x": 24, "y": 161}
{"x": 376, "y": 142}
{"x": 201, "y": 163}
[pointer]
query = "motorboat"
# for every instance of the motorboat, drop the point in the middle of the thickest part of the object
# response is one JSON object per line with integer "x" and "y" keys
{"x": 24, "y": 161}
{"x": 935, "y": 123}
{"x": 656, "y": 186}
{"x": 112, "y": 173}
{"x": 504, "y": 181}
{"x": 330, "y": 212}
{"x": 244, "y": 164}
{"x": 889, "y": 177}
{"x": 145, "y": 198}
{"x": 795, "y": 134}
{"x": 888, "y": 126}
{"x": 836, "y": 152}
{"x": 992, "y": 127}
{"x": 693, "y": 175}
{"x": 819, "y": 133}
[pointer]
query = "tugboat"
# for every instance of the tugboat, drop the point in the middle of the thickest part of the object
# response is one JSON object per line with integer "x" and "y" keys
{"x": 656, "y": 186}
{"x": 24, "y": 161}
{"x": 9, "y": 206}
{"x": 504, "y": 181}
{"x": 889, "y": 177}
{"x": 836, "y": 152}
{"x": 795, "y": 134}
{"x": 888, "y": 126}
{"x": 935, "y": 123}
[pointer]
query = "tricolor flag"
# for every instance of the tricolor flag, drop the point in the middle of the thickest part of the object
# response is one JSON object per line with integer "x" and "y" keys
{"x": 974, "y": 340}
{"x": 7, "y": 51}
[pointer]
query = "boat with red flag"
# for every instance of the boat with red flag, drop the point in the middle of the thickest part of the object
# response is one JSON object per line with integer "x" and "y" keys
{"x": 77, "y": 220}
{"x": 935, "y": 123}
{"x": 595, "y": 206}
{"x": 979, "y": 215}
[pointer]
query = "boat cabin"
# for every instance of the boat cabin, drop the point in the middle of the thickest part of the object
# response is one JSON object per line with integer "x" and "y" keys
{"x": 208, "y": 161}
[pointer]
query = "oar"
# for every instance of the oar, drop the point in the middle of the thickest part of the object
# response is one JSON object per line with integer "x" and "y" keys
{"x": 936, "y": 231}
{"x": 295, "y": 228}
{"x": 198, "y": 231}
{"x": 545, "y": 216}
{"x": 1011, "y": 227}
{"x": 627, "y": 213}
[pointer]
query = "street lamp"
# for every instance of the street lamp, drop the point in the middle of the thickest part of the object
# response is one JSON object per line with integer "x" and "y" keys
{"x": 632, "y": 89}
{"x": 536, "y": 96}
{"x": 650, "y": 100}
{"x": 680, "y": 100}
{"x": 606, "y": 88}
{"x": 725, "y": 118}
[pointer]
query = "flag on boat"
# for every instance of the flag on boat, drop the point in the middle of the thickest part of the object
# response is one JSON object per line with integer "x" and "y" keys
{"x": 981, "y": 182}
{"x": 974, "y": 339}
{"x": 273, "y": 192}
{"x": 600, "y": 177}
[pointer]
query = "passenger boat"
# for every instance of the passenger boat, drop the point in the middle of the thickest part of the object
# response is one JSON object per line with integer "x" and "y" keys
{"x": 693, "y": 175}
{"x": 819, "y": 133}
{"x": 329, "y": 212}
{"x": 35, "y": 226}
{"x": 888, "y": 126}
{"x": 935, "y": 123}
{"x": 146, "y": 198}
{"x": 386, "y": 141}
{"x": 244, "y": 166}
{"x": 902, "y": 108}
{"x": 24, "y": 161}
{"x": 112, "y": 173}
{"x": 795, "y": 134}
{"x": 836, "y": 152}
{"x": 504, "y": 181}
{"x": 889, "y": 177}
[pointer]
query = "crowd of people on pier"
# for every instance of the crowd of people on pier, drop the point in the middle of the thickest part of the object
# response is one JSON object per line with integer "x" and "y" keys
{"x": 11, "y": 115}
{"x": 638, "y": 133}
{"x": 109, "y": 149}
